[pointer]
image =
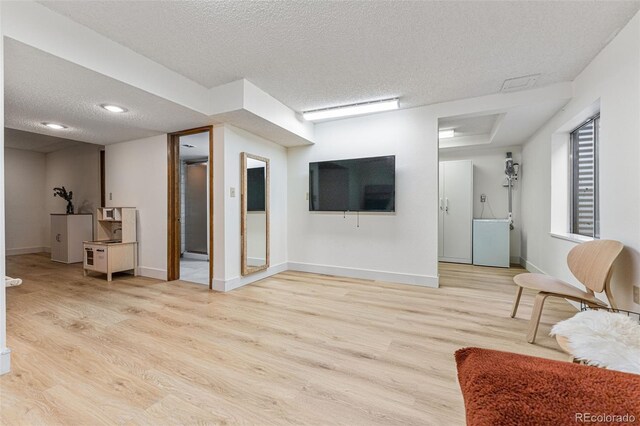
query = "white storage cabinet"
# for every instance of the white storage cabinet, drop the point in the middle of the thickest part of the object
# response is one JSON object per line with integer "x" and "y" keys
{"x": 68, "y": 232}
{"x": 455, "y": 211}
{"x": 491, "y": 242}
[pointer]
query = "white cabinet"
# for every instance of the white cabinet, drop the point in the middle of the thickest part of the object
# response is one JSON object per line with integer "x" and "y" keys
{"x": 68, "y": 232}
{"x": 455, "y": 211}
{"x": 491, "y": 242}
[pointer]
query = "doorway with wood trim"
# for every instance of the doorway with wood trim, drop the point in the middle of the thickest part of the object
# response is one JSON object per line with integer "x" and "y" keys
{"x": 190, "y": 206}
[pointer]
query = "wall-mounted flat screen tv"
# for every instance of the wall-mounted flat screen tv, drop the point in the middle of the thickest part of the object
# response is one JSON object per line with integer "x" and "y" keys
{"x": 361, "y": 184}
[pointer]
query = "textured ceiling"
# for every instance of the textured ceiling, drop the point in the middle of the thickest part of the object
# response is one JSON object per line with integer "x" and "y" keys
{"x": 313, "y": 54}
{"x": 35, "y": 142}
{"x": 40, "y": 87}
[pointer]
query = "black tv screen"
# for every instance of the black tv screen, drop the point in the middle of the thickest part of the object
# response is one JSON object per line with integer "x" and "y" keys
{"x": 362, "y": 184}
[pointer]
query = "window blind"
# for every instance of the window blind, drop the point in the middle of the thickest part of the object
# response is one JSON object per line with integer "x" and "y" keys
{"x": 584, "y": 147}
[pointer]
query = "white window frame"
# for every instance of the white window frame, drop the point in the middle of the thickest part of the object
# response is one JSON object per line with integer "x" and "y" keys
{"x": 561, "y": 176}
{"x": 573, "y": 226}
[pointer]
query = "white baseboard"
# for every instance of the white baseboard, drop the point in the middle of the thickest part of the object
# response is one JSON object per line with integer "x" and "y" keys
{"x": 455, "y": 260}
{"x": 367, "y": 274}
{"x": 5, "y": 361}
{"x": 218, "y": 285}
{"x": 533, "y": 268}
{"x": 233, "y": 283}
{"x": 27, "y": 250}
{"x": 195, "y": 256}
{"x": 159, "y": 274}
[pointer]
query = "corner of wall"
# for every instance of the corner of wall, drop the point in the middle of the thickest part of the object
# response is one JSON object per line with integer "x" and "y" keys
{"x": 5, "y": 353}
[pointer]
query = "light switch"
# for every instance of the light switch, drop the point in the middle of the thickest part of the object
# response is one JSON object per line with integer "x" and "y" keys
{"x": 232, "y": 192}
{"x": 110, "y": 196}
{"x": 307, "y": 196}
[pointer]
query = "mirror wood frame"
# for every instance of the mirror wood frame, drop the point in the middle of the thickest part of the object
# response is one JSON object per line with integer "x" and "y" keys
{"x": 245, "y": 268}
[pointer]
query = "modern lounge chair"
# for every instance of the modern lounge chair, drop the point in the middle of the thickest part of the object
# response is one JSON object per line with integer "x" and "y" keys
{"x": 591, "y": 263}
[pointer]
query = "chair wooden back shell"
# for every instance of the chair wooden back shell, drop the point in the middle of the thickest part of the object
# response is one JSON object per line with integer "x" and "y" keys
{"x": 591, "y": 263}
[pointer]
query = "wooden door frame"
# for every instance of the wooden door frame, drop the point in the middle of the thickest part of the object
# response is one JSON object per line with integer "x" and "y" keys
{"x": 103, "y": 180}
{"x": 173, "y": 202}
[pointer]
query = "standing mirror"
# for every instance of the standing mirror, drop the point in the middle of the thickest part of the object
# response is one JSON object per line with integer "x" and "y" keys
{"x": 255, "y": 213}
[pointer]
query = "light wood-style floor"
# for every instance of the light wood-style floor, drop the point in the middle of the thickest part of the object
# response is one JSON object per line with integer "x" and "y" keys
{"x": 292, "y": 349}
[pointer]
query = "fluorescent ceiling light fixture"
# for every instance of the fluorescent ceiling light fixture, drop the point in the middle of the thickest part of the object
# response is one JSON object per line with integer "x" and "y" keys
{"x": 55, "y": 126}
{"x": 444, "y": 134}
{"x": 348, "y": 110}
{"x": 113, "y": 108}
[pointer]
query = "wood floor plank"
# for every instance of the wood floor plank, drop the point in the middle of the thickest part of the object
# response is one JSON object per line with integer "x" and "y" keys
{"x": 294, "y": 348}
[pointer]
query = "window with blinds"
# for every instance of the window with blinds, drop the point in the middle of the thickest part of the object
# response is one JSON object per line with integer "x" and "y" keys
{"x": 584, "y": 159}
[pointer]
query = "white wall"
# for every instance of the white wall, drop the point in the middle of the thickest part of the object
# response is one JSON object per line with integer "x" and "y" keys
{"x": 235, "y": 141}
{"x": 5, "y": 364}
{"x": 78, "y": 169}
{"x": 25, "y": 214}
{"x": 488, "y": 178}
{"x": 136, "y": 176}
{"x": 400, "y": 247}
{"x": 30, "y": 179}
{"x": 613, "y": 77}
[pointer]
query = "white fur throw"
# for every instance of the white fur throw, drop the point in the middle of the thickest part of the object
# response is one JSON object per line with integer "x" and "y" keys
{"x": 10, "y": 282}
{"x": 604, "y": 339}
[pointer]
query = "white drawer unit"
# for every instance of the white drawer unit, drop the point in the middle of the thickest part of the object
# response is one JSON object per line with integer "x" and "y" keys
{"x": 68, "y": 231}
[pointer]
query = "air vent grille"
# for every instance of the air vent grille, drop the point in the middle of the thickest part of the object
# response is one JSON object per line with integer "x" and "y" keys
{"x": 519, "y": 83}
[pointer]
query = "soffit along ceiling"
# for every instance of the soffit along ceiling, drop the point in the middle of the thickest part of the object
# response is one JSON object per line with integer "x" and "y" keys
{"x": 469, "y": 126}
{"x": 312, "y": 54}
{"x": 506, "y": 127}
{"x": 36, "y": 142}
{"x": 40, "y": 87}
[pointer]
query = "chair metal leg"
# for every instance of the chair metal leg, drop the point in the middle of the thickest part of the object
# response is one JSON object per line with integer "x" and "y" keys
{"x": 516, "y": 302}
{"x": 535, "y": 316}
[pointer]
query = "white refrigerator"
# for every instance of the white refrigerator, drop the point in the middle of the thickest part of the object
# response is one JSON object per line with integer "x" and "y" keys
{"x": 491, "y": 242}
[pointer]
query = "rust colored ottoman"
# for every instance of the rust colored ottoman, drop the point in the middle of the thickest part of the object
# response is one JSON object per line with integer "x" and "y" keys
{"x": 503, "y": 388}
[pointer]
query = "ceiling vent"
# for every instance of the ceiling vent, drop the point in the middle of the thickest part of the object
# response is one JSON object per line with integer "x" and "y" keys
{"x": 519, "y": 83}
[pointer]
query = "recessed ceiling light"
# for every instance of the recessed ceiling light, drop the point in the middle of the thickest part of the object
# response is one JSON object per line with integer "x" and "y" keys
{"x": 348, "y": 110}
{"x": 55, "y": 126}
{"x": 444, "y": 134}
{"x": 186, "y": 145}
{"x": 113, "y": 108}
